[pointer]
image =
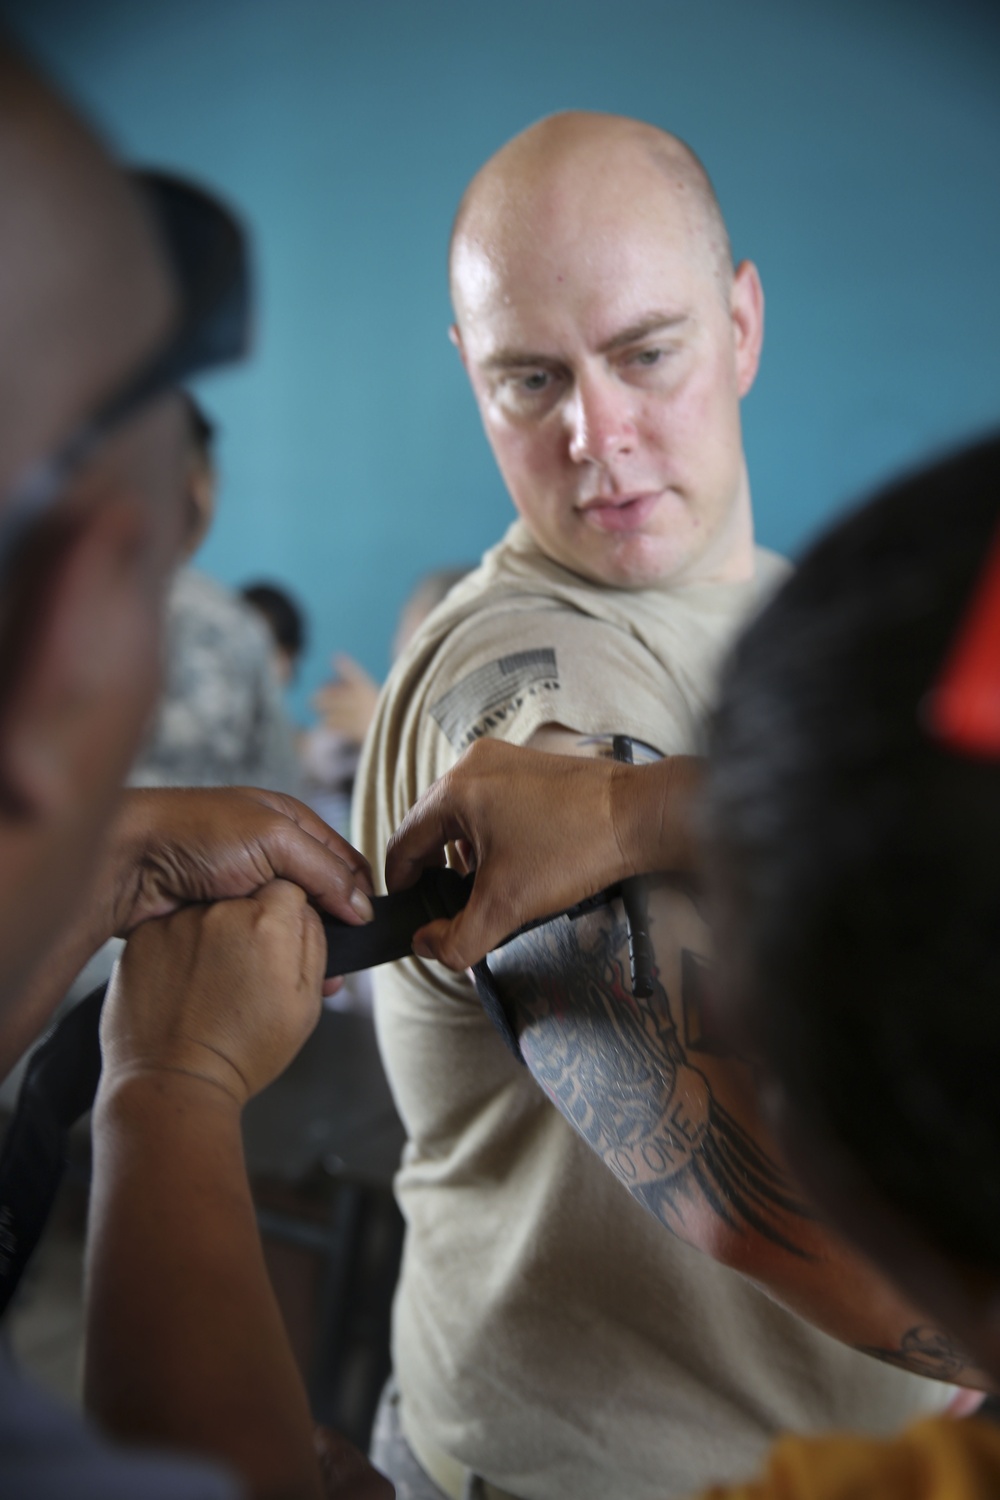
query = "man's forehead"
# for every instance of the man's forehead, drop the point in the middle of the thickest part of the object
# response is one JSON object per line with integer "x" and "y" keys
{"x": 608, "y": 290}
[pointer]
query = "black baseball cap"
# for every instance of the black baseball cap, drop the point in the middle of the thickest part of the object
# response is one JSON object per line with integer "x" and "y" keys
{"x": 207, "y": 250}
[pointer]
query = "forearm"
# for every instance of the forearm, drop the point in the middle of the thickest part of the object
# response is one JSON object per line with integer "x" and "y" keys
{"x": 185, "y": 1347}
{"x": 673, "y": 1116}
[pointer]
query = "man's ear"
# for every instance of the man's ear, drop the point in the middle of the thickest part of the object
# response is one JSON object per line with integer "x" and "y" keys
{"x": 70, "y": 706}
{"x": 455, "y": 334}
{"x": 747, "y": 311}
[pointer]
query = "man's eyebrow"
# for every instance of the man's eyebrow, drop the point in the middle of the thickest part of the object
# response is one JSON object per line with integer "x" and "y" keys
{"x": 516, "y": 359}
{"x": 656, "y": 322}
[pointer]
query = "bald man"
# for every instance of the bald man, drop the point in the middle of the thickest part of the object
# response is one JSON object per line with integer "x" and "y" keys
{"x": 552, "y": 1339}
{"x": 187, "y": 1363}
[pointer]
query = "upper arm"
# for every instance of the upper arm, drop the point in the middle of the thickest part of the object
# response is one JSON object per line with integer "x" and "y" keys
{"x": 557, "y": 739}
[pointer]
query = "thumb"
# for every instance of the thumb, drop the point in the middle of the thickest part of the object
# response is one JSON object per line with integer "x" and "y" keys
{"x": 458, "y": 942}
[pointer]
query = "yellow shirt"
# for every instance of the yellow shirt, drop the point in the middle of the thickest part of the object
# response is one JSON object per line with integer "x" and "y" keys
{"x": 937, "y": 1459}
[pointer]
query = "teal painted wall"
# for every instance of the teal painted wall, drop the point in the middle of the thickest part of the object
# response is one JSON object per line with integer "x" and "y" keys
{"x": 855, "y": 145}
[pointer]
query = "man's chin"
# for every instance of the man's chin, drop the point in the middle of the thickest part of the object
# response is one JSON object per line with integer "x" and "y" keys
{"x": 632, "y": 563}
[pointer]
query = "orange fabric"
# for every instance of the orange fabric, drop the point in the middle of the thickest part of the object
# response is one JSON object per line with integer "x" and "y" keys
{"x": 937, "y": 1459}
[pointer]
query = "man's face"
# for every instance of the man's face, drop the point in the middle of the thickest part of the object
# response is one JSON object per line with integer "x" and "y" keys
{"x": 608, "y": 359}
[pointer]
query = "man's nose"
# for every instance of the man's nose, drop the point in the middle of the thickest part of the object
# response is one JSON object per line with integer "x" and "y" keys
{"x": 600, "y": 419}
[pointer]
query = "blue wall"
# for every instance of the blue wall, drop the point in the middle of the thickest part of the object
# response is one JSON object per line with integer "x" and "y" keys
{"x": 855, "y": 145}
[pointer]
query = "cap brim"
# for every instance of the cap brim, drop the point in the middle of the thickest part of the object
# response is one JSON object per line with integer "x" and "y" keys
{"x": 208, "y": 253}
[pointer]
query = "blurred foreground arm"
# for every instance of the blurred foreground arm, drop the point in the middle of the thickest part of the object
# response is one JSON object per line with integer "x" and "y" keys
{"x": 542, "y": 832}
{"x": 185, "y": 1345}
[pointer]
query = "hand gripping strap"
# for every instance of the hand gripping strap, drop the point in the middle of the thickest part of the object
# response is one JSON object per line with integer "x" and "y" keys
{"x": 63, "y": 1071}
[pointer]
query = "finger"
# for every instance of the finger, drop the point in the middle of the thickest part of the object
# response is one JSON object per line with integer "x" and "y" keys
{"x": 458, "y": 943}
{"x": 327, "y": 878}
{"x": 281, "y": 897}
{"x": 310, "y": 822}
{"x": 314, "y": 949}
{"x": 301, "y": 848}
{"x": 462, "y": 856}
{"x": 420, "y": 840}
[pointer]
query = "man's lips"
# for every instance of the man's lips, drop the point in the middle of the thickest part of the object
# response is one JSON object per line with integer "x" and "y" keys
{"x": 620, "y": 512}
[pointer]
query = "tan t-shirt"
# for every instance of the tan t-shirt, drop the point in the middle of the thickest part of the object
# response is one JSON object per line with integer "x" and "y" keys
{"x": 549, "y": 1334}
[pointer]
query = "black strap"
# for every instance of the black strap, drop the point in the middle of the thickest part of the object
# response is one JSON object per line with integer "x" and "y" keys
{"x": 438, "y": 893}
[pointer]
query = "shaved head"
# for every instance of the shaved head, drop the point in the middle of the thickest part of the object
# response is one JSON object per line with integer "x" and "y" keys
{"x": 84, "y": 290}
{"x": 609, "y": 341}
{"x": 581, "y": 167}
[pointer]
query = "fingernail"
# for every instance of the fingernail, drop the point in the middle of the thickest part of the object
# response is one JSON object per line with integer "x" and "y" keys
{"x": 362, "y": 905}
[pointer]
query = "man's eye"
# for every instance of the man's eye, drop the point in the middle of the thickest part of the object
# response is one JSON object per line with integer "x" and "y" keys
{"x": 648, "y": 357}
{"x": 529, "y": 393}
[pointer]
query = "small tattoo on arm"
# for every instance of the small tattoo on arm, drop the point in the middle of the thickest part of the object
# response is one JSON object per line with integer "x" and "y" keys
{"x": 926, "y": 1351}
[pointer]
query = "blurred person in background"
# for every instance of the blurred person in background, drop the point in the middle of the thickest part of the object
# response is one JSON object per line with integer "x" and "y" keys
{"x": 221, "y": 720}
{"x": 285, "y": 621}
{"x": 326, "y": 765}
{"x": 346, "y": 706}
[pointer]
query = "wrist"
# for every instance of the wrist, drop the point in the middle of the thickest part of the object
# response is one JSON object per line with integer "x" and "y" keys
{"x": 652, "y": 813}
{"x": 146, "y": 1091}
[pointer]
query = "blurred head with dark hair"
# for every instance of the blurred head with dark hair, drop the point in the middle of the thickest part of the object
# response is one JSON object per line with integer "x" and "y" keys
{"x": 855, "y": 865}
{"x": 284, "y": 620}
